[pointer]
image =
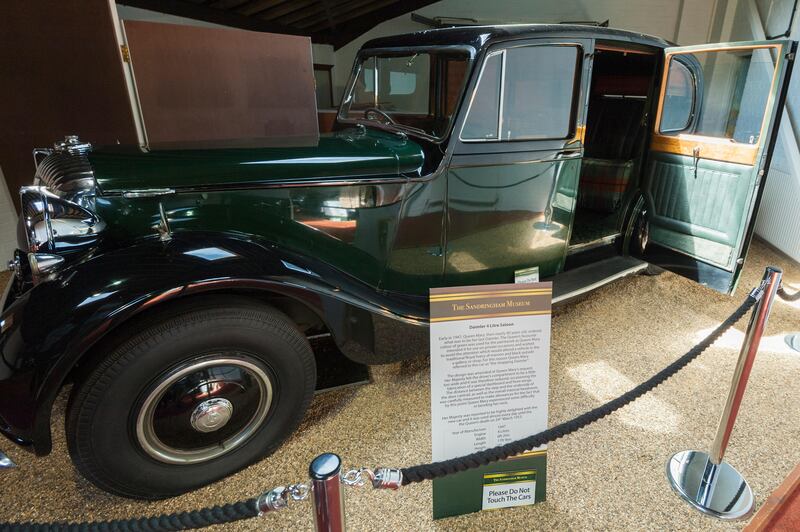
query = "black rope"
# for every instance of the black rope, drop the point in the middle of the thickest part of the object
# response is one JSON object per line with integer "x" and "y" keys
{"x": 215, "y": 515}
{"x": 454, "y": 465}
{"x": 783, "y": 294}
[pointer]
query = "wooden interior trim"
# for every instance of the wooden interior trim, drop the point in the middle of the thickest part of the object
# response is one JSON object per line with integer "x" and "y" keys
{"x": 720, "y": 149}
{"x": 717, "y": 149}
{"x": 580, "y": 135}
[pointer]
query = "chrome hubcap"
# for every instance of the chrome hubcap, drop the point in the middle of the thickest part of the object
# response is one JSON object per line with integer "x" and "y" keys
{"x": 204, "y": 408}
{"x": 211, "y": 415}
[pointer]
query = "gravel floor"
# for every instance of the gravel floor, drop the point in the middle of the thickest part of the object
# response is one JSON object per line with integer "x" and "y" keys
{"x": 608, "y": 476}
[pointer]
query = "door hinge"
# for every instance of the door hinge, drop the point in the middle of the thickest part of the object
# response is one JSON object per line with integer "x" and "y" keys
{"x": 126, "y": 54}
{"x": 790, "y": 56}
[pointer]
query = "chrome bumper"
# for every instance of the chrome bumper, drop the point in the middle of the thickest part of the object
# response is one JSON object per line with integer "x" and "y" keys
{"x": 6, "y": 462}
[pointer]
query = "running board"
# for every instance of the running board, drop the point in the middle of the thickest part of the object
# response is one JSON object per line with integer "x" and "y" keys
{"x": 575, "y": 283}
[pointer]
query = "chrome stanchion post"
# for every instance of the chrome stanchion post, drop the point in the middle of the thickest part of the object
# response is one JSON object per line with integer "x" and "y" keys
{"x": 703, "y": 479}
{"x": 326, "y": 493}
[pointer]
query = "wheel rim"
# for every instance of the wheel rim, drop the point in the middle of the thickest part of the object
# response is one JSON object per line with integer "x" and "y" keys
{"x": 204, "y": 408}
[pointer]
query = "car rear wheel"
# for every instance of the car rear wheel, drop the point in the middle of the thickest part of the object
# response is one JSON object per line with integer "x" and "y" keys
{"x": 190, "y": 398}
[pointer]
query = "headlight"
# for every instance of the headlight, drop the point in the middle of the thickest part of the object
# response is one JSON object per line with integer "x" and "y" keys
{"x": 43, "y": 264}
{"x": 54, "y": 227}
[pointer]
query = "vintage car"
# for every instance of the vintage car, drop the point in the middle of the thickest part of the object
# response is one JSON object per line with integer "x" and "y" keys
{"x": 176, "y": 289}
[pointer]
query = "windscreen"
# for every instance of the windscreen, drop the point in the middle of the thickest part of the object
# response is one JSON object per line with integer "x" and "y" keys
{"x": 415, "y": 91}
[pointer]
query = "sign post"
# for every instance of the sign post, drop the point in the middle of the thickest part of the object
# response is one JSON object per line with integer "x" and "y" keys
{"x": 490, "y": 363}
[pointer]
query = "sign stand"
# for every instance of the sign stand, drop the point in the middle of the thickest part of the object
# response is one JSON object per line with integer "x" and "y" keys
{"x": 490, "y": 360}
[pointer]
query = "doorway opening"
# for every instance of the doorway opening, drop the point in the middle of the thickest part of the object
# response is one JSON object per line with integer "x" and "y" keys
{"x": 614, "y": 144}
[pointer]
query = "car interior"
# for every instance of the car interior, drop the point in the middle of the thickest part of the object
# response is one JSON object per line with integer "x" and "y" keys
{"x": 614, "y": 143}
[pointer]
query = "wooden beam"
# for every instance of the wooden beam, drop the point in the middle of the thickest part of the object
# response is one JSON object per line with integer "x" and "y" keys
{"x": 227, "y": 4}
{"x": 215, "y": 16}
{"x": 360, "y": 25}
{"x": 333, "y": 14}
{"x": 343, "y": 18}
{"x": 255, "y": 6}
{"x": 293, "y": 18}
{"x": 286, "y": 8}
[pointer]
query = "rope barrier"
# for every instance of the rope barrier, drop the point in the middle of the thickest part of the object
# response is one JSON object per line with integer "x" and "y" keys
{"x": 387, "y": 478}
{"x": 215, "y": 515}
{"x": 448, "y": 467}
{"x": 783, "y": 294}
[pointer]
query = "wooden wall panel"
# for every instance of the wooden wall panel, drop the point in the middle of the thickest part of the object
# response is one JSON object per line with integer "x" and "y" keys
{"x": 60, "y": 73}
{"x": 201, "y": 84}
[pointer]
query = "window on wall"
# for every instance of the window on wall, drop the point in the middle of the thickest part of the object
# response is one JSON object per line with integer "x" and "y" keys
{"x": 777, "y": 16}
{"x": 525, "y": 93}
{"x": 324, "y": 84}
{"x": 733, "y": 91}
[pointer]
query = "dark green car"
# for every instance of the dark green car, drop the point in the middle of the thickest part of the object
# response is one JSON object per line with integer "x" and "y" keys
{"x": 177, "y": 289}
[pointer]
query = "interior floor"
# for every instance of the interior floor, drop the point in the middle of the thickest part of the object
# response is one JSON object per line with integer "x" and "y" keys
{"x": 592, "y": 226}
{"x": 614, "y": 142}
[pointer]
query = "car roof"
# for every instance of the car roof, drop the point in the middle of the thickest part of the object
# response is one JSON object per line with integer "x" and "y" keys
{"x": 480, "y": 37}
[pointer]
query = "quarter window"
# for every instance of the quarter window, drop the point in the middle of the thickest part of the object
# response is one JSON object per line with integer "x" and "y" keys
{"x": 733, "y": 88}
{"x": 525, "y": 93}
{"x": 483, "y": 121}
{"x": 678, "y": 98}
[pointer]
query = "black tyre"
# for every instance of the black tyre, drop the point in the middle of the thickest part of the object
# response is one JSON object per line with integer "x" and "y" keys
{"x": 190, "y": 397}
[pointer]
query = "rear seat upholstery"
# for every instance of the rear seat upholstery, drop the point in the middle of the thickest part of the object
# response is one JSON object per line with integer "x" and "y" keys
{"x": 613, "y": 138}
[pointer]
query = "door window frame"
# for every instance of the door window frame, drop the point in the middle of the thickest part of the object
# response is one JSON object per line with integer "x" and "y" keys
{"x": 715, "y": 148}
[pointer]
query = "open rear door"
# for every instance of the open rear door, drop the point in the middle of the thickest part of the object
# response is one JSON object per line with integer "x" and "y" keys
{"x": 715, "y": 130}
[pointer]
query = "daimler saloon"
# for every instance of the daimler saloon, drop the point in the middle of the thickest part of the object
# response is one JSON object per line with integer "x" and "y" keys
{"x": 176, "y": 289}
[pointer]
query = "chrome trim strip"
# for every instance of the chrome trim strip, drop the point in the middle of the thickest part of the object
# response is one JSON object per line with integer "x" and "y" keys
{"x": 501, "y": 108}
{"x": 599, "y": 242}
{"x": 563, "y": 156}
{"x": 259, "y": 186}
{"x": 148, "y": 193}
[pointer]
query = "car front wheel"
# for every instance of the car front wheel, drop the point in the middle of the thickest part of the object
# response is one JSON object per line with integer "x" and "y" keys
{"x": 190, "y": 397}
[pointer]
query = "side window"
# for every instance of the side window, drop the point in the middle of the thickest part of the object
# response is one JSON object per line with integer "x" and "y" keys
{"x": 734, "y": 87}
{"x": 538, "y": 90}
{"x": 678, "y": 98}
{"x": 525, "y": 93}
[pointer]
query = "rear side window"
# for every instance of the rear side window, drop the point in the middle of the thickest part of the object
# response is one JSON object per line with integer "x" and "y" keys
{"x": 525, "y": 93}
{"x": 678, "y": 98}
{"x": 733, "y": 88}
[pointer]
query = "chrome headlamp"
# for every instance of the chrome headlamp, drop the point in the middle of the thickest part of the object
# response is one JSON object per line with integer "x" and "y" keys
{"x": 54, "y": 224}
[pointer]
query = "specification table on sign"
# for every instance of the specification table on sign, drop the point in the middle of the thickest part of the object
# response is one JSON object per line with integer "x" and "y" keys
{"x": 489, "y": 365}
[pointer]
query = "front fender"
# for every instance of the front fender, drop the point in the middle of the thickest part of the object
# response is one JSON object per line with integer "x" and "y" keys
{"x": 49, "y": 328}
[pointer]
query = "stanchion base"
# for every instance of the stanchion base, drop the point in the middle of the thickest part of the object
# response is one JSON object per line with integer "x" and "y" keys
{"x": 793, "y": 341}
{"x": 716, "y": 490}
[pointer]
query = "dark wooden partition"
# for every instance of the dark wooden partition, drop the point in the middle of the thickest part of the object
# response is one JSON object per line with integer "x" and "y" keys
{"x": 204, "y": 84}
{"x": 60, "y": 73}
